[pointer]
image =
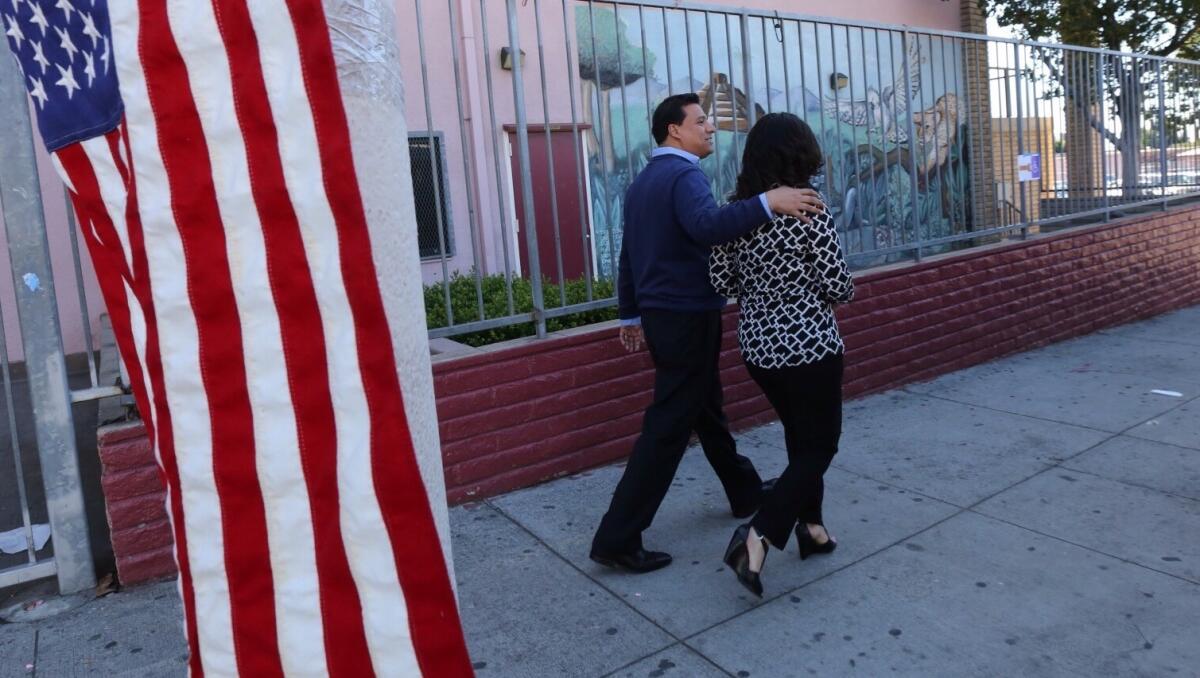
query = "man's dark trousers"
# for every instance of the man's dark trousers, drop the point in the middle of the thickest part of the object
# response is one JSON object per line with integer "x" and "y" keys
{"x": 685, "y": 347}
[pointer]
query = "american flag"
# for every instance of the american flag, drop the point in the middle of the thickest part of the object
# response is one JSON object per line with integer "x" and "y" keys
{"x": 207, "y": 154}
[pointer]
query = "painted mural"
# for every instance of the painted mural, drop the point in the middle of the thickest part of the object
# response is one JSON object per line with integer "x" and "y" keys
{"x": 890, "y": 114}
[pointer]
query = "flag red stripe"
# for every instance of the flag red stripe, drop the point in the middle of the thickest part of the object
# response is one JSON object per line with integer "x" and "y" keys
{"x": 222, "y": 359}
{"x": 433, "y": 614}
{"x": 109, "y": 260}
{"x": 304, "y": 346}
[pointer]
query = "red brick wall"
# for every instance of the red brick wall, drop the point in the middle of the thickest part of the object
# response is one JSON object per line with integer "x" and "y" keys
{"x": 514, "y": 417}
{"x": 134, "y": 498}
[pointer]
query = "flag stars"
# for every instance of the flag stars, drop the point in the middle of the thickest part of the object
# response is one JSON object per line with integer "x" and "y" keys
{"x": 39, "y": 18}
{"x": 38, "y": 91}
{"x": 105, "y": 55}
{"x": 67, "y": 79}
{"x": 89, "y": 28}
{"x": 14, "y": 30}
{"x": 89, "y": 67}
{"x": 66, "y": 7}
{"x": 39, "y": 56}
{"x": 64, "y": 39}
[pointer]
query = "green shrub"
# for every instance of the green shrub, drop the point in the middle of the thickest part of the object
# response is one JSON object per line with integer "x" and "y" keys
{"x": 465, "y": 302}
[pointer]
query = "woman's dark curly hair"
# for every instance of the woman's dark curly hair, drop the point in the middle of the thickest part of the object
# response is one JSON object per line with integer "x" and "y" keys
{"x": 781, "y": 150}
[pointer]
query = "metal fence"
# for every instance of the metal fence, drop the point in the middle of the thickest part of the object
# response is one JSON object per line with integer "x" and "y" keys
{"x": 41, "y": 498}
{"x": 532, "y": 118}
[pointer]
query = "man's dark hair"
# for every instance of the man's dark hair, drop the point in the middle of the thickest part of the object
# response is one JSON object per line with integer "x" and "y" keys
{"x": 781, "y": 150}
{"x": 670, "y": 112}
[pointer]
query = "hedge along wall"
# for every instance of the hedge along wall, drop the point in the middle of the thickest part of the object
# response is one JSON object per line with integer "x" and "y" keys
{"x": 516, "y": 414}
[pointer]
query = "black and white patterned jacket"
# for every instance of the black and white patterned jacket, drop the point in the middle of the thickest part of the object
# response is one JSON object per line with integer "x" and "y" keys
{"x": 787, "y": 276}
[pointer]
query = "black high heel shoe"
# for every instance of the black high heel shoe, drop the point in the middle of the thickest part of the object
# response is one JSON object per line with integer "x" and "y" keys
{"x": 809, "y": 546}
{"x": 737, "y": 557}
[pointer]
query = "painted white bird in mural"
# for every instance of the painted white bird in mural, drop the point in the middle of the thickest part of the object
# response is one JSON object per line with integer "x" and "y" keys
{"x": 880, "y": 109}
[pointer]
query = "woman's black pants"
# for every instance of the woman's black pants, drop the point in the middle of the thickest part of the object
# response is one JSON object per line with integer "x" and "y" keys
{"x": 808, "y": 400}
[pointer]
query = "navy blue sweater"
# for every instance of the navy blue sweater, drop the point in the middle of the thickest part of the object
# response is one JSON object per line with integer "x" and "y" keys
{"x": 671, "y": 225}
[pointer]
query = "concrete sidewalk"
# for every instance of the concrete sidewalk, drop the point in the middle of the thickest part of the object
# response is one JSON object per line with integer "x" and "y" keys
{"x": 1037, "y": 515}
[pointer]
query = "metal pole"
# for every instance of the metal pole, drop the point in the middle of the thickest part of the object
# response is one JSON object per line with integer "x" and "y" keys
{"x": 467, "y": 159}
{"x": 748, "y": 68}
{"x": 912, "y": 146}
{"x": 1020, "y": 138}
{"x": 435, "y": 159}
{"x": 79, "y": 288}
{"x": 1103, "y": 135}
{"x": 1162, "y": 133}
{"x": 497, "y": 158}
{"x": 535, "y": 267}
{"x": 37, "y": 308}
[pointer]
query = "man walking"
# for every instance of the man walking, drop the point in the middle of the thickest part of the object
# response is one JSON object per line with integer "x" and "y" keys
{"x": 665, "y": 298}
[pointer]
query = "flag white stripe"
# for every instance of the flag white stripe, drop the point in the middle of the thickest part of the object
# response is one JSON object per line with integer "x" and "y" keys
{"x": 280, "y": 472}
{"x": 176, "y": 322}
{"x": 368, "y": 548}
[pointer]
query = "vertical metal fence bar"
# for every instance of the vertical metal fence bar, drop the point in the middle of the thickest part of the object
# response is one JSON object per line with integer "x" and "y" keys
{"x": 889, "y": 200}
{"x": 33, "y": 281}
{"x": 1103, "y": 135}
{"x": 804, "y": 90}
{"x": 1020, "y": 91}
{"x": 624, "y": 103}
{"x": 922, "y": 144}
{"x": 943, "y": 128}
{"x": 600, "y": 117}
{"x": 1031, "y": 82}
{"x": 865, "y": 213}
{"x": 839, "y": 154}
{"x": 712, "y": 94}
{"x": 589, "y": 265}
{"x": 1007, "y": 160}
{"x": 963, "y": 64}
{"x": 687, "y": 34}
{"x": 84, "y": 315}
{"x": 18, "y": 467}
{"x": 912, "y": 143}
{"x": 1071, "y": 117}
{"x": 830, "y": 153}
{"x": 762, "y": 23}
{"x": 646, "y": 76}
{"x": 547, "y": 132}
{"x": 781, "y": 35}
{"x": 667, "y": 54}
{"x": 737, "y": 136}
{"x": 961, "y": 189}
{"x": 918, "y": 143}
{"x": 467, "y": 155}
{"x": 497, "y": 158}
{"x": 434, "y": 160}
{"x": 531, "y": 240}
{"x": 1162, "y": 131}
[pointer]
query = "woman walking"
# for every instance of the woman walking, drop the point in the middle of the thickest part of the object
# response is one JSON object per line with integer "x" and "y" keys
{"x": 787, "y": 277}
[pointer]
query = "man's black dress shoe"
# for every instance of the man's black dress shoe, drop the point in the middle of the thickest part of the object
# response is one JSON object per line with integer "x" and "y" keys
{"x": 747, "y": 511}
{"x": 637, "y": 562}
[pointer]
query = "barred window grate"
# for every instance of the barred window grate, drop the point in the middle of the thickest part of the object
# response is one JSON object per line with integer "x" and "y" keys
{"x": 432, "y": 206}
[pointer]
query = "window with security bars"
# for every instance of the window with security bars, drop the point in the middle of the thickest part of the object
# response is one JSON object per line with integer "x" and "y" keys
{"x": 427, "y": 156}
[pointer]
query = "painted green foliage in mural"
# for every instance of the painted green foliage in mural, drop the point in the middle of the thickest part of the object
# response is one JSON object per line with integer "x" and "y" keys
{"x": 889, "y": 115}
